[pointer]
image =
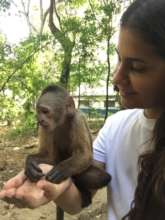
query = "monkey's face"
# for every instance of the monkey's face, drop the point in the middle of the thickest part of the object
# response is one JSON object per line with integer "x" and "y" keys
{"x": 50, "y": 112}
{"x": 45, "y": 117}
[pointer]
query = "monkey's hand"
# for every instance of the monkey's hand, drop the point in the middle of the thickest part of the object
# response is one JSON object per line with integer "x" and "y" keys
{"x": 56, "y": 175}
{"x": 33, "y": 171}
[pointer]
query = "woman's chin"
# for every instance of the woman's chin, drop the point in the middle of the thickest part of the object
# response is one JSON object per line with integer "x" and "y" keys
{"x": 129, "y": 103}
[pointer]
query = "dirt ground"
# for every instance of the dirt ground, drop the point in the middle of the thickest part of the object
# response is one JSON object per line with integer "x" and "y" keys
{"x": 12, "y": 155}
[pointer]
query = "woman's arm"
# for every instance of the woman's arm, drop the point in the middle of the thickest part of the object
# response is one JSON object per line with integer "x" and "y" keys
{"x": 26, "y": 194}
{"x": 65, "y": 195}
{"x": 23, "y": 193}
{"x": 72, "y": 199}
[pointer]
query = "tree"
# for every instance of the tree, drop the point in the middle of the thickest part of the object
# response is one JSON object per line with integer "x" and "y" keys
{"x": 110, "y": 8}
{"x": 66, "y": 42}
{"x": 66, "y": 51}
{"x": 4, "y": 5}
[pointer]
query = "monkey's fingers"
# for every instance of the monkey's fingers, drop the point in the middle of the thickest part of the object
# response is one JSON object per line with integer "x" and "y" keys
{"x": 33, "y": 172}
{"x": 34, "y": 165}
{"x": 55, "y": 176}
{"x": 31, "y": 176}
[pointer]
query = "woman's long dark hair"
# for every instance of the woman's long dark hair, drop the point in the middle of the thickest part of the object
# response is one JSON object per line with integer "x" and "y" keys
{"x": 147, "y": 17}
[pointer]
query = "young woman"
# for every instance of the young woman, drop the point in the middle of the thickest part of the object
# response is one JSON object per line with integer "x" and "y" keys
{"x": 131, "y": 145}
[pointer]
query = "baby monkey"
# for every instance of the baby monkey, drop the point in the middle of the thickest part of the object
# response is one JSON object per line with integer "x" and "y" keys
{"x": 65, "y": 142}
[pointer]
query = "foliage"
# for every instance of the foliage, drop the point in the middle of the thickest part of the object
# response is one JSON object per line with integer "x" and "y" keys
{"x": 26, "y": 68}
{"x": 4, "y": 5}
{"x": 26, "y": 78}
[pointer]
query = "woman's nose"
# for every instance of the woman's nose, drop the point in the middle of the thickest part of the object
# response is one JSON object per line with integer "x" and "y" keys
{"x": 120, "y": 74}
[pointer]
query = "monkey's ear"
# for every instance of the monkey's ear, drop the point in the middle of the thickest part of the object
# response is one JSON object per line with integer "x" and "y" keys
{"x": 70, "y": 106}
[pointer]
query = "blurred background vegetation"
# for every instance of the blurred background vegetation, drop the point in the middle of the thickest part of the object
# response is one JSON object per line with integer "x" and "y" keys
{"x": 71, "y": 42}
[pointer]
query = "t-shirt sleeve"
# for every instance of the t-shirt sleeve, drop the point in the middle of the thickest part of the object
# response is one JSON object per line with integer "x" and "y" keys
{"x": 101, "y": 142}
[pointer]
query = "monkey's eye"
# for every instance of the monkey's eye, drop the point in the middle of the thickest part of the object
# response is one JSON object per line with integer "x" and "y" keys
{"x": 45, "y": 111}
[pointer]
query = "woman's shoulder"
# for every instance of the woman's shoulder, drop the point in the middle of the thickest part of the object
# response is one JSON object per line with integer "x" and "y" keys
{"x": 123, "y": 116}
{"x": 126, "y": 113}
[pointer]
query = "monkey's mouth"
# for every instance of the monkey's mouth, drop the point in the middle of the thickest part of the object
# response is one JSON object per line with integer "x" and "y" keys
{"x": 43, "y": 124}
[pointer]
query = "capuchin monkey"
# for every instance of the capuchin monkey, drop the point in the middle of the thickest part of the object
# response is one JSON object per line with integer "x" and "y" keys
{"x": 65, "y": 142}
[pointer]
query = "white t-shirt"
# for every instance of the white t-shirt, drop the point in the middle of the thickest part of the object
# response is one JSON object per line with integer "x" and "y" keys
{"x": 125, "y": 136}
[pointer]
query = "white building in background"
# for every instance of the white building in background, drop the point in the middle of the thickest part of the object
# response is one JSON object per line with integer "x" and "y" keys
{"x": 93, "y": 100}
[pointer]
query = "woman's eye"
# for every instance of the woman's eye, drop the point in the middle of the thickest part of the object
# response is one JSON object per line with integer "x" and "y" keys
{"x": 137, "y": 68}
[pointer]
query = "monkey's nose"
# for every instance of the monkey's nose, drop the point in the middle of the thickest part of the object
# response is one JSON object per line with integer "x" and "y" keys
{"x": 41, "y": 122}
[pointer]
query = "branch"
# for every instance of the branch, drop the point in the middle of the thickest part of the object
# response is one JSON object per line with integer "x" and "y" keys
{"x": 52, "y": 26}
{"x": 24, "y": 8}
{"x": 33, "y": 27}
{"x": 41, "y": 11}
{"x": 28, "y": 6}
{"x": 43, "y": 21}
{"x": 55, "y": 31}
{"x": 57, "y": 15}
{"x": 25, "y": 12}
{"x": 66, "y": 11}
{"x": 21, "y": 65}
{"x": 13, "y": 2}
{"x": 91, "y": 6}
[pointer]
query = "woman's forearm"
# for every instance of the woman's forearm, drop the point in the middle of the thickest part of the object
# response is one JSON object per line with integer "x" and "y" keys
{"x": 70, "y": 201}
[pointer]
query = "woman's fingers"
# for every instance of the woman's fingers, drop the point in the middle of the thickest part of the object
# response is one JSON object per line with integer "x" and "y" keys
{"x": 15, "y": 182}
{"x": 53, "y": 191}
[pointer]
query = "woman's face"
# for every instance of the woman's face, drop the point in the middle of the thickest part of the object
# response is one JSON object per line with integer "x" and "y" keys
{"x": 140, "y": 73}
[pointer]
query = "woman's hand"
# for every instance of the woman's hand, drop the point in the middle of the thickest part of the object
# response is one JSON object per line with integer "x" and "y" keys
{"x": 23, "y": 193}
{"x": 10, "y": 187}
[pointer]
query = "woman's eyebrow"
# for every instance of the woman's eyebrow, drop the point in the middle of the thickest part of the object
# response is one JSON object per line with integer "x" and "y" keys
{"x": 131, "y": 59}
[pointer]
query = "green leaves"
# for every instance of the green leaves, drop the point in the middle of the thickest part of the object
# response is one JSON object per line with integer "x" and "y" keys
{"x": 77, "y": 3}
{"x": 4, "y": 4}
{"x": 78, "y": 46}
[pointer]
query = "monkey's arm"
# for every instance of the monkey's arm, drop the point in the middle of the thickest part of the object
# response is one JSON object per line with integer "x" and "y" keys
{"x": 78, "y": 198}
{"x": 77, "y": 163}
{"x": 81, "y": 148}
{"x": 80, "y": 160}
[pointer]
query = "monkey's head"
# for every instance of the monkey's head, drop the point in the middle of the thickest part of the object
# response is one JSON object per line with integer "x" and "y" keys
{"x": 54, "y": 107}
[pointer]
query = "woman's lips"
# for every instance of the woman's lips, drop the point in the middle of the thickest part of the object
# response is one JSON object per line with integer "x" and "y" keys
{"x": 127, "y": 93}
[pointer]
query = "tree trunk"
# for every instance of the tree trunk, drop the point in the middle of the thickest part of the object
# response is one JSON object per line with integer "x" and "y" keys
{"x": 65, "y": 42}
{"x": 108, "y": 78}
